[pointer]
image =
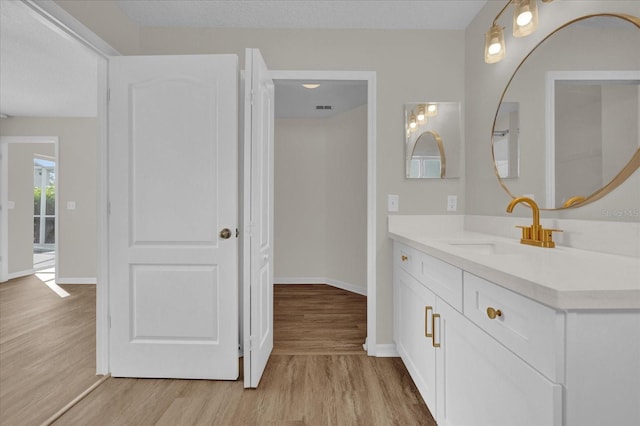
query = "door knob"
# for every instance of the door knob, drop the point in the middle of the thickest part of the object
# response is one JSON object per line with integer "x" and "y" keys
{"x": 225, "y": 234}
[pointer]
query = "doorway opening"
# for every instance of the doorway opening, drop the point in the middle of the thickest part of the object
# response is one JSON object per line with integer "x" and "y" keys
{"x": 44, "y": 213}
{"x": 29, "y": 226}
{"x": 328, "y": 162}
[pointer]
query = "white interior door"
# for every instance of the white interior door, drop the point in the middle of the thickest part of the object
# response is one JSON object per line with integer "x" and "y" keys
{"x": 173, "y": 189}
{"x": 258, "y": 217}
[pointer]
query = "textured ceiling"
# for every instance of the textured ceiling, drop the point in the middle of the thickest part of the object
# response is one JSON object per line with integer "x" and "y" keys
{"x": 46, "y": 74}
{"x": 317, "y": 14}
{"x": 43, "y": 73}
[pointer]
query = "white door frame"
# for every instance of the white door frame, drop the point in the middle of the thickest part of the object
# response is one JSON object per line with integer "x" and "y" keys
{"x": 61, "y": 21}
{"x": 4, "y": 213}
{"x": 370, "y": 78}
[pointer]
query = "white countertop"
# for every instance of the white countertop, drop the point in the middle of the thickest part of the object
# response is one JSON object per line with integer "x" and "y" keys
{"x": 562, "y": 278}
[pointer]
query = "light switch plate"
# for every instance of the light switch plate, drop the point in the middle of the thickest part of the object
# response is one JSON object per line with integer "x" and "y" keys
{"x": 11, "y": 205}
{"x": 452, "y": 203}
{"x": 71, "y": 205}
{"x": 393, "y": 203}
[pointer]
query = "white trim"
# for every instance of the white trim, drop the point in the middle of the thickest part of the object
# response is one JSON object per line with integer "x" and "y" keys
{"x": 353, "y": 288}
{"x": 550, "y": 109}
{"x": 19, "y": 274}
{"x": 4, "y": 221}
{"x": 370, "y": 78}
{"x": 56, "y": 18}
{"x": 61, "y": 21}
{"x": 91, "y": 280}
{"x": 387, "y": 350}
{"x": 102, "y": 222}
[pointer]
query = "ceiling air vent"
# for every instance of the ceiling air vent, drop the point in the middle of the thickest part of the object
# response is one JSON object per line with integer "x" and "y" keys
{"x": 323, "y": 106}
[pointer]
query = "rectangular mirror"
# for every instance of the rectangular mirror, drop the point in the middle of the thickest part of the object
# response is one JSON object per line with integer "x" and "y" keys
{"x": 433, "y": 140}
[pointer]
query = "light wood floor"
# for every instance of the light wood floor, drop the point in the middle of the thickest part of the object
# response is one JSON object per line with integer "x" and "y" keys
{"x": 318, "y": 319}
{"x": 47, "y": 348}
{"x": 318, "y": 375}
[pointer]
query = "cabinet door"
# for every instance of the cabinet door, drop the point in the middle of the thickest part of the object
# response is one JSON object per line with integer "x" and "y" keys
{"x": 415, "y": 306}
{"x": 481, "y": 382}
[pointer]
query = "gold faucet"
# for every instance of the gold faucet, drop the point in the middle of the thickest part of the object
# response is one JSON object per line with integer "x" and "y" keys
{"x": 534, "y": 235}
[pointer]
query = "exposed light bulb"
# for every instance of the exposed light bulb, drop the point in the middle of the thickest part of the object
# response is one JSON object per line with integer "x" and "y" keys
{"x": 432, "y": 110}
{"x": 494, "y": 48}
{"x": 524, "y": 18}
{"x": 421, "y": 113}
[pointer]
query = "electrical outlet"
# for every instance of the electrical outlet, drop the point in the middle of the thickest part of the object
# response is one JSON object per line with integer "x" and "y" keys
{"x": 452, "y": 203}
{"x": 393, "y": 203}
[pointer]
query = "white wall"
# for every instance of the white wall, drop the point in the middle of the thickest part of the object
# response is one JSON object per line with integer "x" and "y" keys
{"x": 321, "y": 200}
{"x": 405, "y": 72}
{"x": 485, "y": 84}
{"x": 346, "y": 223}
{"x": 76, "y": 180}
{"x": 20, "y": 217}
{"x": 300, "y": 198}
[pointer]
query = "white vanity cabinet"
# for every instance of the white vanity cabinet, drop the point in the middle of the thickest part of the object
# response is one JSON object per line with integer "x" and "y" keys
{"x": 525, "y": 364}
{"x": 480, "y": 382}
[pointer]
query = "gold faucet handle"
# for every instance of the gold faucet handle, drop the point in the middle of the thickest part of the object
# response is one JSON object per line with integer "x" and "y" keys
{"x": 526, "y": 232}
{"x": 547, "y": 237}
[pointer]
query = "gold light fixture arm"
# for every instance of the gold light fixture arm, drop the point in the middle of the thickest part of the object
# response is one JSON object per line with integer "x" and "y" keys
{"x": 495, "y": 20}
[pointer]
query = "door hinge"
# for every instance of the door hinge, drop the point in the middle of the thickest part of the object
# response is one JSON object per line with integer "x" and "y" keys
{"x": 109, "y": 208}
{"x": 109, "y": 321}
{"x": 251, "y": 97}
{"x": 251, "y": 342}
{"x": 108, "y": 95}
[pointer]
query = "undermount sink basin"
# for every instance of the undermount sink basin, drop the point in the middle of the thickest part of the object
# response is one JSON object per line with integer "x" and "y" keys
{"x": 487, "y": 247}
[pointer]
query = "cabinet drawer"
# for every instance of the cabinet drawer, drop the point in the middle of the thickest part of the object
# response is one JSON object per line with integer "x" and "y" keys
{"x": 407, "y": 259}
{"x": 443, "y": 279}
{"x": 531, "y": 330}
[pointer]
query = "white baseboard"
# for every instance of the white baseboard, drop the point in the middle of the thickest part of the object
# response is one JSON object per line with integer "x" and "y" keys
{"x": 19, "y": 274}
{"x": 91, "y": 280}
{"x": 386, "y": 351}
{"x": 323, "y": 280}
{"x": 382, "y": 351}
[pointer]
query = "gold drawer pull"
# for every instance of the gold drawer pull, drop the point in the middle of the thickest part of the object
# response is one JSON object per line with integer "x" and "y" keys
{"x": 426, "y": 321}
{"x": 493, "y": 313}
{"x": 404, "y": 258}
{"x": 433, "y": 325}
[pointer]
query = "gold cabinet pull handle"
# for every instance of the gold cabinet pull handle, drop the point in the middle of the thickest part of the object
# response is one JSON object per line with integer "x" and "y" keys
{"x": 493, "y": 313}
{"x": 433, "y": 325}
{"x": 426, "y": 321}
{"x": 404, "y": 258}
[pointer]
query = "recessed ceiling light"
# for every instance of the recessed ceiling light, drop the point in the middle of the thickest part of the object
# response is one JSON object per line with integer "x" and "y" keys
{"x": 310, "y": 86}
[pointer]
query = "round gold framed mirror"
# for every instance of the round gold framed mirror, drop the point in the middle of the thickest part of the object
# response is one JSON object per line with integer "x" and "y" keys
{"x": 567, "y": 127}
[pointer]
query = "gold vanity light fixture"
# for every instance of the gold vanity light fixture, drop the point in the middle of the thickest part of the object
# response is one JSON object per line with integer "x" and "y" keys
{"x": 421, "y": 113}
{"x": 432, "y": 110}
{"x": 534, "y": 235}
{"x": 525, "y": 22}
{"x": 525, "y": 17}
